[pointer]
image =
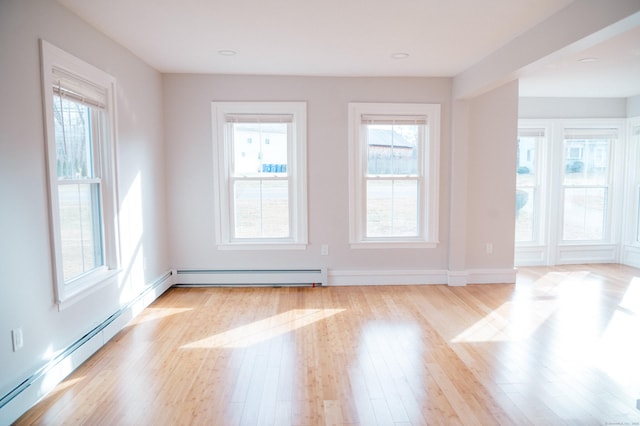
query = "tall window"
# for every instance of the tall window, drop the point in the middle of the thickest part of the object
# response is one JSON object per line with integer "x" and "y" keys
{"x": 570, "y": 191}
{"x": 80, "y": 158}
{"x": 528, "y": 180}
{"x": 635, "y": 140}
{"x": 586, "y": 183}
{"x": 261, "y": 188}
{"x": 394, "y": 152}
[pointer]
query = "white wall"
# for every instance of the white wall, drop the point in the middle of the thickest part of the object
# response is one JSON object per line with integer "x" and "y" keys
{"x": 572, "y": 108}
{"x": 27, "y": 296}
{"x": 493, "y": 118}
{"x": 190, "y": 181}
{"x": 190, "y": 175}
{"x": 633, "y": 106}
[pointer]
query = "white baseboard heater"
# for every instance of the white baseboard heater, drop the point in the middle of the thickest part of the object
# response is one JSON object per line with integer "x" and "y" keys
{"x": 249, "y": 277}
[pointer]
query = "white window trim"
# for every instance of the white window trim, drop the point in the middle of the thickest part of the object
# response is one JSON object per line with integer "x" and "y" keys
{"x": 52, "y": 58}
{"x": 297, "y": 158}
{"x": 632, "y": 203}
{"x": 551, "y": 249}
{"x": 540, "y": 231}
{"x": 614, "y": 185}
{"x": 428, "y": 237}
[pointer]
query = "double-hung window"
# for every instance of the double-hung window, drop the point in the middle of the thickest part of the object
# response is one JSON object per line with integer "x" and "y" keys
{"x": 260, "y": 149}
{"x": 394, "y": 169}
{"x": 634, "y": 161}
{"x": 78, "y": 105}
{"x": 529, "y": 184}
{"x": 586, "y": 183}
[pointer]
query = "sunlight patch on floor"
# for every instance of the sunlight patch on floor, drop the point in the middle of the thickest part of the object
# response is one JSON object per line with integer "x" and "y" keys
{"x": 152, "y": 314}
{"x": 536, "y": 306}
{"x": 618, "y": 351}
{"x": 506, "y": 323}
{"x": 262, "y": 330}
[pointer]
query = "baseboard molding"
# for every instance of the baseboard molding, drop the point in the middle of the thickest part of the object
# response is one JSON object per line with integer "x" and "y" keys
{"x": 420, "y": 277}
{"x": 492, "y": 276}
{"x": 41, "y": 382}
{"x": 249, "y": 277}
{"x": 382, "y": 277}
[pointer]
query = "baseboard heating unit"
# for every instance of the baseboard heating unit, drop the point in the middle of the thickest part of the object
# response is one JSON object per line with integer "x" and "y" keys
{"x": 249, "y": 277}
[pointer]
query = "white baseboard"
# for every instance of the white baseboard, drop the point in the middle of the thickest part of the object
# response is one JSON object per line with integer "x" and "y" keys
{"x": 377, "y": 277}
{"x": 420, "y": 277}
{"x": 25, "y": 395}
{"x": 255, "y": 277}
{"x": 492, "y": 276}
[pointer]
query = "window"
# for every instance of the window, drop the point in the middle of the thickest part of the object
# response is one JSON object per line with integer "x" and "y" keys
{"x": 261, "y": 181}
{"x": 394, "y": 163}
{"x": 78, "y": 108}
{"x": 586, "y": 183}
{"x": 635, "y": 140}
{"x": 569, "y": 201}
{"x": 528, "y": 182}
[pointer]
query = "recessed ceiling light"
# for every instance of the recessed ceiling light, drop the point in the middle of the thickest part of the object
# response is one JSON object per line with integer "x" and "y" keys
{"x": 399, "y": 55}
{"x": 588, "y": 59}
{"x": 227, "y": 52}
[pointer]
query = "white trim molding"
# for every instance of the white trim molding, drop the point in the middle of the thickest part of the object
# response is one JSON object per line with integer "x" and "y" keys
{"x": 420, "y": 277}
{"x": 427, "y": 118}
{"x": 249, "y": 277}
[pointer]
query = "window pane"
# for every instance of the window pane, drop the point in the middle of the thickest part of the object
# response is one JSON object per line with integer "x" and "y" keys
{"x": 392, "y": 149}
{"x": 529, "y": 140}
{"x": 586, "y": 161}
{"x": 635, "y": 140}
{"x": 638, "y": 218}
{"x": 392, "y": 208}
{"x": 259, "y": 148}
{"x": 261, "y": 209}
{"x": 80, "y": 228}
{"x": 525, "y": 215}
{"x": 526, "y": 166}
{"x": 74, "y": 147}
{"x": 584, "y": 214}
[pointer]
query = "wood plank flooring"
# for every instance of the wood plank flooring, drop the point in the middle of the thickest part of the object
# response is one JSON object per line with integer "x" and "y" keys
{"x": 562, "y": 346}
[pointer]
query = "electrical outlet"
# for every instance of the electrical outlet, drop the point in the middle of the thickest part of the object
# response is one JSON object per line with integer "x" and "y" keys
{"x": 489, "y": 248}
{"x": 324, "y": 249}
{"x": 17, "y": 339}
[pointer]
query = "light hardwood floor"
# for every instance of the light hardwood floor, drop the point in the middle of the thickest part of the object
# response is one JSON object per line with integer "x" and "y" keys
{"x": 562, "y": 346}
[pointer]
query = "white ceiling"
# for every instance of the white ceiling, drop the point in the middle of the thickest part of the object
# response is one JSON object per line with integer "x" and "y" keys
{"x": 353, "y": 38}
{"x": 609, "y": 69}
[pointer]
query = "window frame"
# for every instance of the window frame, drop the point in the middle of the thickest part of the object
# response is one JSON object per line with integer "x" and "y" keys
{"x": 610, "y": 187}
{"x": 55, "y": 59}
{"x": 429, "y": 173}
{"x": 296, "y": 172}
{"x": 539, "y": 187}
{"x": 632, "y": 205}
{"x": 551, "y": 249}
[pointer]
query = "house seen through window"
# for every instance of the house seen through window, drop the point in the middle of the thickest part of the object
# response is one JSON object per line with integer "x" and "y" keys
{"x": 394, "y": 153}
{"x": 261, "y": 181}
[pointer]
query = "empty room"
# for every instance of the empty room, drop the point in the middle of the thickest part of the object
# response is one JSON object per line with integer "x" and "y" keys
{"x": 342, "y": 212}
